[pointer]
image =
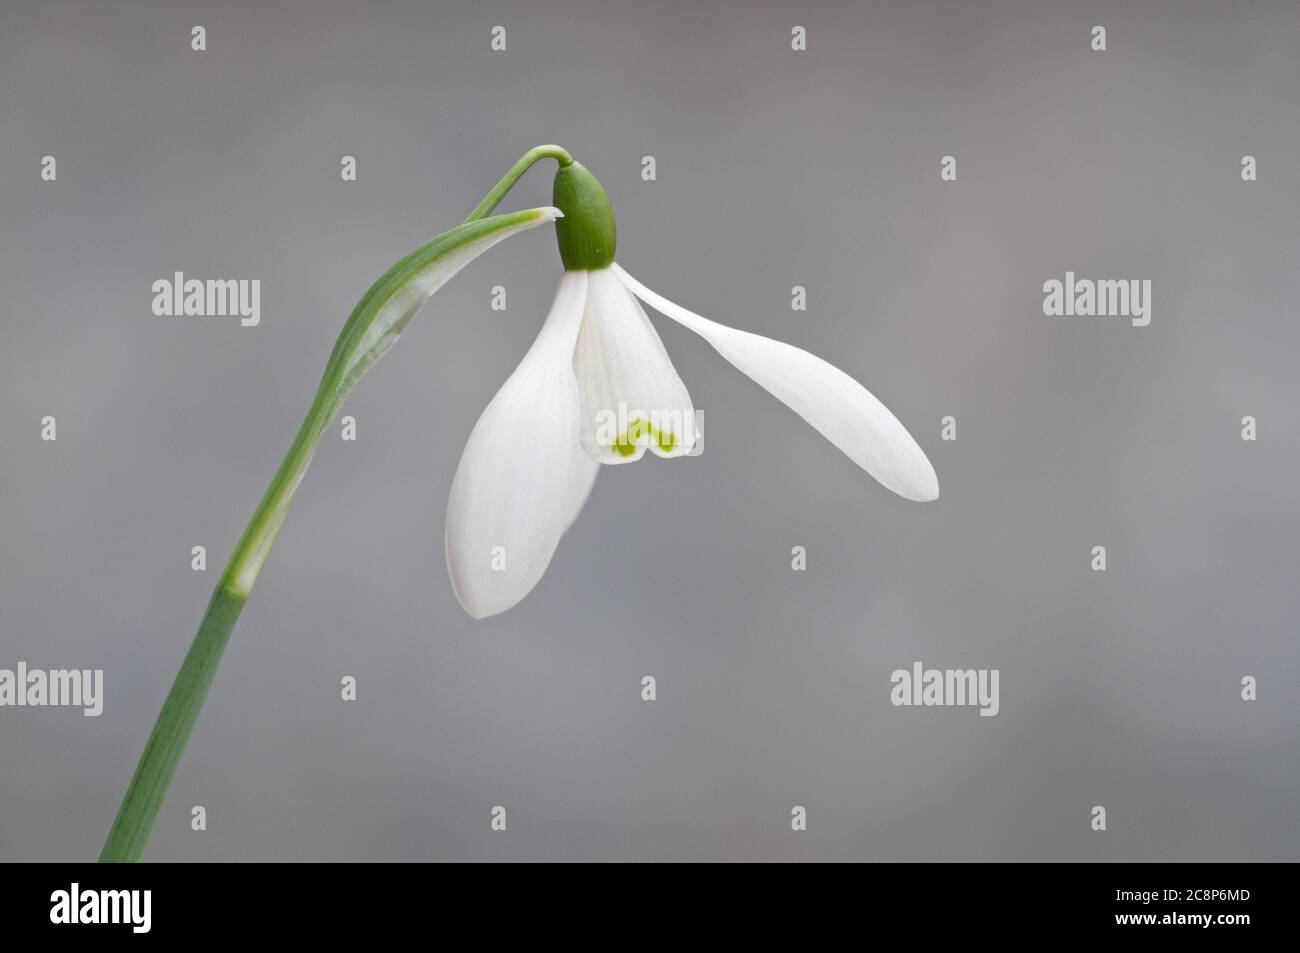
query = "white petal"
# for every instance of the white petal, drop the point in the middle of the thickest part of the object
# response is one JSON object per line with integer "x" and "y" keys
{"x": 840, "y": 408}
{"x": 523, "y": 475}
{"x": 632, "y": 398}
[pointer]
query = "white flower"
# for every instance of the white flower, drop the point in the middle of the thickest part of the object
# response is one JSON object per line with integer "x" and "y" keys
{"x": 597, "y": 387}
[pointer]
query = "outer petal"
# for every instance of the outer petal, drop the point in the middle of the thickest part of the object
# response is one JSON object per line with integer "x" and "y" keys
{"x": 840, "y": 408}
{"x": 523, "y": 475}
{"x": 631, "y": 396}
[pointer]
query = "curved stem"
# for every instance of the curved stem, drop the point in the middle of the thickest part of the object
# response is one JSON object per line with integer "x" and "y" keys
{"x": 529, "y": 158}
{"x": 372, "y": 328}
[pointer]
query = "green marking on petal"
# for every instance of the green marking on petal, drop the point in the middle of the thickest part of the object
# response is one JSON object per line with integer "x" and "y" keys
{"x": 630, "y": 439}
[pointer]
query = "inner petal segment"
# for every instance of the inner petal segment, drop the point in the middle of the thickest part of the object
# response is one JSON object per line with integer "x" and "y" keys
{"x": 630, "y": 395}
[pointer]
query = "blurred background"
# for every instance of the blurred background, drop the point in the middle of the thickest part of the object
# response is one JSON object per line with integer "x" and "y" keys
{"x": 774, "y": 169}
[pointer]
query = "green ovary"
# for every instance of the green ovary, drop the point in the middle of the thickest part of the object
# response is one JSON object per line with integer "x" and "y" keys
{"x": 627, "y": 441}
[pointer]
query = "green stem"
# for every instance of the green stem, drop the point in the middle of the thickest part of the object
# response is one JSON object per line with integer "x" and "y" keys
{"x": 372, "y": 328}
{"x": 516, "y": 172}
{"x": 144, "y": 798}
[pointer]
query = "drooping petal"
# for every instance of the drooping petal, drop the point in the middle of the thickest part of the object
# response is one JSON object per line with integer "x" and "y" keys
{"x": 631, "y": 397}
{"x": 523, "y": 475}
{"x": 836, "y": 405}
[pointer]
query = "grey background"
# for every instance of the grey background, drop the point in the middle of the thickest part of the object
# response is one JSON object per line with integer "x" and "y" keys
{"x": 774, "y": 169}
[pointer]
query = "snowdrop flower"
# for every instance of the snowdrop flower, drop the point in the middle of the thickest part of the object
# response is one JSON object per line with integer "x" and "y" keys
{"x": 598, "y": 388}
